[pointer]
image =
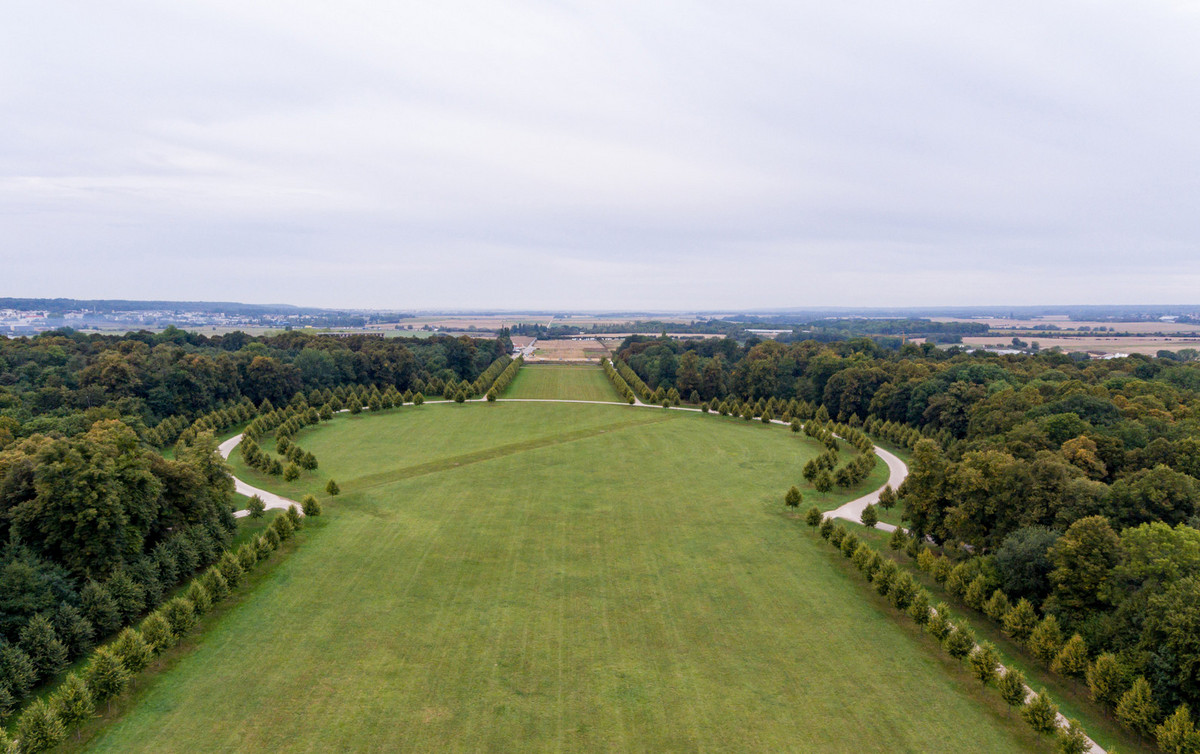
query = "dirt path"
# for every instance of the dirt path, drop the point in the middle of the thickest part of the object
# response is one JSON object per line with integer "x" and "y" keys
{"x": 852, "y": 511}
{"x": 270, "y": 499}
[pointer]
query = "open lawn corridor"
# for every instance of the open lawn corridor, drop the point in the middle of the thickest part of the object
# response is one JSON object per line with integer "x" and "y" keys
{"x": 527, "y": 576}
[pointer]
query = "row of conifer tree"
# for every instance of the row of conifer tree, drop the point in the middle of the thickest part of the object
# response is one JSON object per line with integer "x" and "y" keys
{"x": 114, "y": 666}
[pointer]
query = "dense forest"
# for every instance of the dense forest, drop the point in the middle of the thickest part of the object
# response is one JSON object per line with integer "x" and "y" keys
{"x": 1070, "y": 486}
{"x": 97, "y": 525}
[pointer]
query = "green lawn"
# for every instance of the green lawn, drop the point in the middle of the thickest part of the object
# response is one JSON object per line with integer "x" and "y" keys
{"x": 531, "y": 577}
{"x": 585, "y": 383}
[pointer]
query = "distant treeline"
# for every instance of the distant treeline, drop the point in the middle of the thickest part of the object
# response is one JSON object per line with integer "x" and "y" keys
{"x": 62, "y": 381}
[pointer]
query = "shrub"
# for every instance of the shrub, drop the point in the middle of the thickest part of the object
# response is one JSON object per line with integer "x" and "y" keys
{"x": 199, "y": 596}
{"x": 1020, "y": 622}
{"x": 1137, "y": 708}
{"x": 1072, "y": 659}
{"x": 39, "y": 728}
{"x": 310, "y": 505}
{"x": 1107, "y": 680}
{"x": 849, "y": 545}
{"x": 792, "y": 498}
{"x": 230, "y": 569}
{"x": 157, "y": 632}
{"x": 106, "y": 675}
{"x": 1072, "y": 739}
{"x": 41, "y": 644}
{"x": 902, "y": 590}
{"x": 256, "y": 506}
{"x": 293, "y": 515}
{"x": 1046, "y": 640}
{"x": 270, "y": 539}
{"x": 1012, "y": 688}
{"x": 997, "y": 606}
{"x": 180, "y": 614}
{"x": 918, "y": 609}
{"x": 983, "y": 663}
{"x": 215, "y": 583}
{"x": 291, "y": 473}
{"x": 134, "y": 651}
{"x": 1177, "y": 734}
{"x": 869, "y": 517}
{"x": 1041, "y": 713}
{"x": 826, "y": 528}
{"x": 959, "y": 642}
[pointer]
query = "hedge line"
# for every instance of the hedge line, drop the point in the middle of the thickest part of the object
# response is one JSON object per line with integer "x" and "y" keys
{"x": 619, "y": 382}
{"x": 505, "y": 379}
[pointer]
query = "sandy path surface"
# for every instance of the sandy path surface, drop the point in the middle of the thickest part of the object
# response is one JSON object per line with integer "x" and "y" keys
{"x": 270, "y": 499}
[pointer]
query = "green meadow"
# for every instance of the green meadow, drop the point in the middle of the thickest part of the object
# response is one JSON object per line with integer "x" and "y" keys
{"x": 571, "y": 382}
{"x": 559, "y": 577}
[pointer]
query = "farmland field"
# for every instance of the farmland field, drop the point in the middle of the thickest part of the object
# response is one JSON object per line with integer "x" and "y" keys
{"x": 572, "y": 349}
{"x": 531, "y": 576}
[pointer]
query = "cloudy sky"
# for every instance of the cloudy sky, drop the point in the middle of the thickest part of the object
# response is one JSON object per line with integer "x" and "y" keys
{"x": 701, "y": 155}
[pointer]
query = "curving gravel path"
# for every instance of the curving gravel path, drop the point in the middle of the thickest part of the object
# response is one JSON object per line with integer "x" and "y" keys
{"x": 270, "y": 499}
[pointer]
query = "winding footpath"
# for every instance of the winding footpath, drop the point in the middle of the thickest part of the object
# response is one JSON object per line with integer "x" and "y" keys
{"x": 851, "y": 511}
{"x": 270, "y": 499}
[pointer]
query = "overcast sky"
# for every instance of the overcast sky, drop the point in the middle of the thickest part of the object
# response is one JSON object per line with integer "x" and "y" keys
{"x": 670, "y": 155}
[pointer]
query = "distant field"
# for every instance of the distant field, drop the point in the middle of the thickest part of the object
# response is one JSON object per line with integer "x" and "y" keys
{"x": 570, "y": 350}
{"x": 550, "y": 577}
{"x": 1098, "y": 343}
{"x": 583, "y": 382}
{"x": 1066, "y": 324}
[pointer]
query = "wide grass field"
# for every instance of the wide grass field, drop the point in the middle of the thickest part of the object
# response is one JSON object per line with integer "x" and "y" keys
{"x": 559, "y": 577}
{"x": 584, "y": 382}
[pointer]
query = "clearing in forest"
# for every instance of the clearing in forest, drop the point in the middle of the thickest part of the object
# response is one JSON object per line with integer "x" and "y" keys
{"x": 538, "y": 576}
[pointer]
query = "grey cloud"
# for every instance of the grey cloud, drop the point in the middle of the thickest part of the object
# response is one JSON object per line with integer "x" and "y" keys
{"x": 649, "y": 155}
